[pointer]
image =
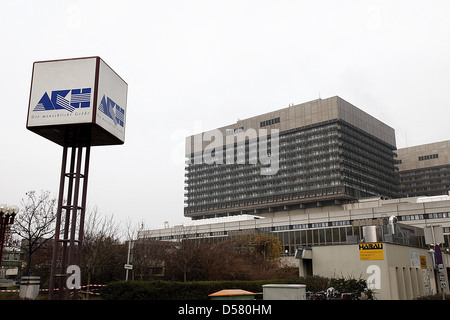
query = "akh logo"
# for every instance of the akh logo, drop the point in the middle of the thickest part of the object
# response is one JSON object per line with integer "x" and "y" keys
{"x": 69, "y": 100}
{"x": 112, "y": 110}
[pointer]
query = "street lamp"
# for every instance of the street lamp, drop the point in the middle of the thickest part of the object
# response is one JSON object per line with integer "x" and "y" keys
{"x": 6, "y": 218}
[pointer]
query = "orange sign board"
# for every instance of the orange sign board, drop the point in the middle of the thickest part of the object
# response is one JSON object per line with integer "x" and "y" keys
{"x": 371, "y": 251}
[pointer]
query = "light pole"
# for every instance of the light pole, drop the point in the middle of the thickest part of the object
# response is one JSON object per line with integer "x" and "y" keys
{"x": 6, "y": 218}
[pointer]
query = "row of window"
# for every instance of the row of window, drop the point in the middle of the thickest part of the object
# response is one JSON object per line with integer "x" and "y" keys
{"x": 300, "y": 161}
{"x": 252, "y": 186}
{"x": 293, "y": 239}
{"x": 437, "y": 215}
{"x": 230, "y": 132}
{"x": 269, "y": 122}
{"x": 262, "y": 229}
{"x": 290, "y": 240}
{"x": 303, "y": 138}
{"x": 428, "y": 157}
{"x": 425, "y": 171}
{"x": 266, "y": 196}
{"x": 293, "y": 236}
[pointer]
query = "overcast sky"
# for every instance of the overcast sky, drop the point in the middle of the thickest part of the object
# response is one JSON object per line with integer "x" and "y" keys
{"x": 198, "y": 65}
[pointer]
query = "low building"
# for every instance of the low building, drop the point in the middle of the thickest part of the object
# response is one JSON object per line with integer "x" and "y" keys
{"x": 392, "y": 257}
{"x": 326, "y": 240}
{"x": 11, "y": 263}
{"x": 395, "y": 272}
{"x": 312, "y": 226}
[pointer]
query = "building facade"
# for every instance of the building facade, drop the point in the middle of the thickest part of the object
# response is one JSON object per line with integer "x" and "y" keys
{"x": 323, "y": 151}
{"x": 313, "y": 226}
{"x": 316, "y": 175}
{"x": 424, "y": 170}
{"x": 327, "y": 240}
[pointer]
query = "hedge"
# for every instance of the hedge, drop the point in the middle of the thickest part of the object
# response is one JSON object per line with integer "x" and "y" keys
{"x": 197, "y": 290}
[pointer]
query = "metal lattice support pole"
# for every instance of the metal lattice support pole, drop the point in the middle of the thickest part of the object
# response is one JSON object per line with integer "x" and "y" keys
{"x": 70, "y": 215}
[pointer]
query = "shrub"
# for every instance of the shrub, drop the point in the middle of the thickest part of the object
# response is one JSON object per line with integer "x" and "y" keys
{"x": 199, "y": 290}
{"x": 358, "y": 287}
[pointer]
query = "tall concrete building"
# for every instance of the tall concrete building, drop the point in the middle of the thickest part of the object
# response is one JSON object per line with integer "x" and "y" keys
{"x": 424, "y": 170}
{"x": 317, "y": 153}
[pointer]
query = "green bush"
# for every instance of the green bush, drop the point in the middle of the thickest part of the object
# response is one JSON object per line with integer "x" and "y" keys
{"x": 357, "y": 287}
{"x": 199, "y": 290}
{"x": 349, "y": 285}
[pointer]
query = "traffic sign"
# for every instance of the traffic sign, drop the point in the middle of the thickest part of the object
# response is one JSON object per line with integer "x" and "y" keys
{"x": 128, "y": 266}
{"x": 434, "y": 234}
{"x": 438, "y": 254}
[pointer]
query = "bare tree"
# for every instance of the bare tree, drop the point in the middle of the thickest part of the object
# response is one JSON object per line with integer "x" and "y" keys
{"x": 186, "y": 258}
{"x": 132, "y": 230}
{"x": 101, "y": 245}
{"x": 35, "y": 223}
{"x": 137, "y": 249}
{"x": 147, "y": 256}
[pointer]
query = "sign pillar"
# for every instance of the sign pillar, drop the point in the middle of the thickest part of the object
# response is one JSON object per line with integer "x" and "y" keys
{"x": 76, "y": 103}
{"x": 70, "y": 215}
{"x": 441, "y": 269}
{"x": 434, "y": 235}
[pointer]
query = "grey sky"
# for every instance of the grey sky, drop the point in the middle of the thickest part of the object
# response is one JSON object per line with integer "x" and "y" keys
{"x": 199, "y": 65}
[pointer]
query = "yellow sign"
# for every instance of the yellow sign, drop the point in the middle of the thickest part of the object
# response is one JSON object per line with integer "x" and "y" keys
{"x": 423, "y": 262}
{"x": 371, "y": 251}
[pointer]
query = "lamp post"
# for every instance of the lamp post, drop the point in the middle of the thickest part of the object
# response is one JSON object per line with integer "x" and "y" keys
{"x": 6, "y": 218}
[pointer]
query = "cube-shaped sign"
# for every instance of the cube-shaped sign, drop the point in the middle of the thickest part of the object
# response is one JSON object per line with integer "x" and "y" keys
{"x": 77, "y": 102}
